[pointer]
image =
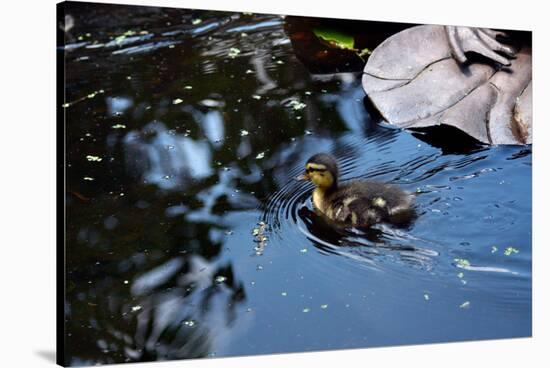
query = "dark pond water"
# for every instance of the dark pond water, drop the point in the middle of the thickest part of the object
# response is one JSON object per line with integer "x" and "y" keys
{"x": 182, "y": 136}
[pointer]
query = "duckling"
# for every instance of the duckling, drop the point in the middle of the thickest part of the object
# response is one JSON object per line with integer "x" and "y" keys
{"x": 357, "y": 203}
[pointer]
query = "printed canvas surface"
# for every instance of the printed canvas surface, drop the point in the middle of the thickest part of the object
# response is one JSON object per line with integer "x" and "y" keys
{"x": 186, "y": 234}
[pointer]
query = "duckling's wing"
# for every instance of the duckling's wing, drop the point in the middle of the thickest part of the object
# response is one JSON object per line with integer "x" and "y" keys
{"x": 382, "y": 194}
{"x": 339, "y": 209}
{"x": 352, "y": 204}
{"x": 380, "y": 201}
{"x": 398, "y": 204}
{"x": 364, "y": 213}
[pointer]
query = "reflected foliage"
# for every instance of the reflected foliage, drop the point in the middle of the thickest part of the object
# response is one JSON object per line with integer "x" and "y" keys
{"x": 145, "y": 224}
{"x": 322, "y": 57}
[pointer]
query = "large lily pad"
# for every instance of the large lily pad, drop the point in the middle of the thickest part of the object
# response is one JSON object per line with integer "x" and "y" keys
{"x": 414, "y": 81}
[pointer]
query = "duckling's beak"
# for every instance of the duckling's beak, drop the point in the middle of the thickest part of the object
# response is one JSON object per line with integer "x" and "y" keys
{"x": 302, "y": 177}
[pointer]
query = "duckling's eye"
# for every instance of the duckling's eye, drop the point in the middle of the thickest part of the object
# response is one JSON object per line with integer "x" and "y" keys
{"x": 312, "y": 169}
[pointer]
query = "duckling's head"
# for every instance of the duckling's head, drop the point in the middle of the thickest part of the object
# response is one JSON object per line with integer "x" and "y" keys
{"x": 321, "y": 170}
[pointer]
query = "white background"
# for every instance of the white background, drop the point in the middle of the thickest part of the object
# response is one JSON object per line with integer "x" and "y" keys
{"x": 27, "y": 159}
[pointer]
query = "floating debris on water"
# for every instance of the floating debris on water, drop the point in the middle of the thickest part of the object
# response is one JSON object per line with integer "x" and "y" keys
{"x": 249, "y": 310}
{"x": 308, "y": 132}
{"x": 284, "y": 293}
{"x": 126, "y": 282}
{"x": 460, "y": 275}
{"x": 260, "y": 229}
{"x": 136, "y": 308}
{"x": 208, "y": 102}
{"x": 260, "y": 155}
{"x": 324, "y": 306}
{"x": 465, "y": 305}
{"x": 296, "y": 105}
{"x": 189, "y": 323}
{"x": 259, "y": 237}
{"x": 303, "y": 250}
{"x": 280, "y": 62}
{"x": 426, "y": 297}
{"x": 510, "y": 250}
{"x": 119, "y": 126}
{"x": 188, "y": 87}
{"x": 89, "y": 95}
{"x": 177, "y": 101}
{"x": 249, "y": 71}
{"x": 119, "y": 39}
{"x": 88, "y": 178}
{"x": 307, "y": 93}
{"x": 233, "y": 52}
{"x": 306, "y": 310}
{"x": 220, "y": 279}
{"x": 462, "y": 263}
{"x": 244, "y": 133}
{"x": 196, "y": 21}
{"x": 257, "y": 97}
{"x": 259, "y": 267}
{"x": 93, "y": 158}
{"x": 229, "y": 232}
{"x": 494, "y": 249}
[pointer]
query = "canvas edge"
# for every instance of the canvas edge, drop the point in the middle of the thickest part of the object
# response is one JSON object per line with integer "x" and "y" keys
{"x": 60, "y": 188}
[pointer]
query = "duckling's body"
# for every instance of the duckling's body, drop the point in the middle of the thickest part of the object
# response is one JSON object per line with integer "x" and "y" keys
{"x": 357, "y": 203}
{"x": 363, "y": 203}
